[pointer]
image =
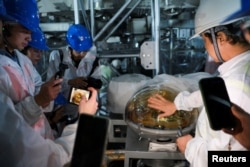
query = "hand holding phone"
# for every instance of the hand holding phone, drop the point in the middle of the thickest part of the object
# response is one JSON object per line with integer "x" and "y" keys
{"x": 217, "y": 103}
{"x": 89, "y": 106}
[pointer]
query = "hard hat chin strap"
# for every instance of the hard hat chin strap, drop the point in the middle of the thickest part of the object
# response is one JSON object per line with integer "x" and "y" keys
{"x": 215, "y": 44}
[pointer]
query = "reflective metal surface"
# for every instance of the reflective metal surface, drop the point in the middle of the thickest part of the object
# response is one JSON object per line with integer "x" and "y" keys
{"x": 145, "y": 121}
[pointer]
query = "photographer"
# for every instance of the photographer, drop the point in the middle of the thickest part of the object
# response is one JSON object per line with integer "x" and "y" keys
{"x": 74, "y": 63}
{"x": 24, "y": 147}
{"x": 20, "y": 81}
{"x": 78, "y": 56}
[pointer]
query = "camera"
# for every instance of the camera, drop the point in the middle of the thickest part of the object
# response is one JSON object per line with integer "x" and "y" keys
{"x": 60, "y": 73}
{"x": 95, "y": 83}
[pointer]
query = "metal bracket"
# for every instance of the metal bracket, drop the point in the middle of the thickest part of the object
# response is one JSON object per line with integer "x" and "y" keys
{"x": 147, "y": 55}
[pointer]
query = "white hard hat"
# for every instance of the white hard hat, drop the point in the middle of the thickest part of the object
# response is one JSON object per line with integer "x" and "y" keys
{"x": 212, "y": 13}
{"x": 244, "y": 10}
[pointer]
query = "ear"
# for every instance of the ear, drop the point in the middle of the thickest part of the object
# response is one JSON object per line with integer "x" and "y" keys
{"x": 222, "y": 38}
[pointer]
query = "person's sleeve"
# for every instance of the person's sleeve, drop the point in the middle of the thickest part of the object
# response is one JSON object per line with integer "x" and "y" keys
{"x": 197, "y": 149}
{"x": 196, "y": 152}
{"x": 187, "y": 101}
{"x": 38, "y": 83}
{"x": 24, "y": 147}
{"x": 29, "y": 109}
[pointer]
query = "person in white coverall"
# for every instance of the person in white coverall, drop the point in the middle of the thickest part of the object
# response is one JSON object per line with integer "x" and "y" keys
{"x": 79, "y": 56}
{"x": 224, "y": 42}
{"x": 18, "y": 77}
{"x": 21, "y": 146}
{"x": 242, "y": 132}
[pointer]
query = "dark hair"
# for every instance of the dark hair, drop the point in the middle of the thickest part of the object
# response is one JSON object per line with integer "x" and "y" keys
{"x": 232, "y": 31}
{"x": 6, "y": 30}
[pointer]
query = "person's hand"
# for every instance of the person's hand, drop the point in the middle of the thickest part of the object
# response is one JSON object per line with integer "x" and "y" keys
{"x": 48, "y": 92}
{"x": 89, "y": 106}
{"x": 158, "y": 102}
{"x": 182, "y": 141}
{"x": 79, "y": 82}
{"x": 242, "y": 131}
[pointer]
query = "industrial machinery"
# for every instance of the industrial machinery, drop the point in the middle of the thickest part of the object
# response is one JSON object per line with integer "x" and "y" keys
{"x": 120, "y": 28}
{"x": 154, "y": 137}
{"x": 145, "y": 121}
{"x": 139, "y": 37}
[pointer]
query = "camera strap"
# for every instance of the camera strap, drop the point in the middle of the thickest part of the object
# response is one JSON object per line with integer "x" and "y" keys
{"x": 94, "y": 66}
{"x": 61, "y": 54}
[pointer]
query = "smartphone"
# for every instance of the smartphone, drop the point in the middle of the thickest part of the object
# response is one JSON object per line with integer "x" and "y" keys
{"x": 217, "y": 103}
{"x": 76, "y": 95}
{"x": 91, "y": 141}
{"x": 60, "y": 73}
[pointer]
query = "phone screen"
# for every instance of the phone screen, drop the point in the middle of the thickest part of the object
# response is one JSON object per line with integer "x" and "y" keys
{"x": 217, "y": 103}
{"x": 76, "y": 95}
{"x": 90, "y": 142}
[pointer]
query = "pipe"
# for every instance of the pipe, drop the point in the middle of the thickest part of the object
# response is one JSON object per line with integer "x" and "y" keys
{"x": 76, "y": 13}
{"x": 153, "y": 19}
{"x": 112, "y": 20}
{"x": 114, "y": 155}
{"x": 120, "y": 55}
{"x": 166, "y": 2}
{"x": 122, "y": 20}
{"x": 84, "y": 14}
{"x": 92, "y": 18}
{"x": 157, "y": 34}
{"x": 153, "y": 27}
{"x": 171, "y": 47}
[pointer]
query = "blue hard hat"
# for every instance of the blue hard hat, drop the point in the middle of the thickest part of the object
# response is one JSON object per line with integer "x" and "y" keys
{"x": 79, "y": 38}
{"x": 24, "y": 12}
{"x": 3, "y": 14}
{"x": 38, "y": 40}
{"x": 242, "y": 12}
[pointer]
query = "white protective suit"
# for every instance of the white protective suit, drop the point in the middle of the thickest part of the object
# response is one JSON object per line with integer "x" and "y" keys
{"x": 236, "y": 74}
{"x": 21, "y": 146}
{"x": 21, "y": 83}
{"x": 83, "y": 70}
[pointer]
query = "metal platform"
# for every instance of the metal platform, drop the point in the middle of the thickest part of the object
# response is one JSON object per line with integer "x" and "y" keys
{"x": 137, "y": 148}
